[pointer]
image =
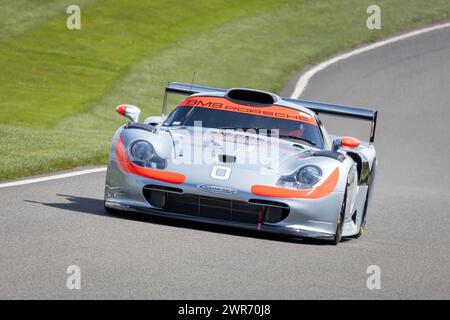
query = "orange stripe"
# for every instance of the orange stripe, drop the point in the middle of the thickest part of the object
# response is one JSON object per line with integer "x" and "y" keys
{"x": 273, "y": 111}
{"x": 323, "y": 190}
{"x": 126, "y": 165}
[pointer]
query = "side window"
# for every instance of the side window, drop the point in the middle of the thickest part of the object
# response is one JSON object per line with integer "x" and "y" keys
{"x": 324, "y": 133}
{"x": 177, "y": 116}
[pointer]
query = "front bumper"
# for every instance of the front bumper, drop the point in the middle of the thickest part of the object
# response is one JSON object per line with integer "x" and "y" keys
{"x": 292, "y": 231}
{"x": 311, "y": 218}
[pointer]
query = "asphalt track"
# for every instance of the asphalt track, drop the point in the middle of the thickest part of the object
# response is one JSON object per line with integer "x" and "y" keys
{"x": 47, "y": 226}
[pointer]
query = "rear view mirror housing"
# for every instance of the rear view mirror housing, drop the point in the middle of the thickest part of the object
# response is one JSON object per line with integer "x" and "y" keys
{"x": 345, "y": 142}
{"x": 129, "y": 111}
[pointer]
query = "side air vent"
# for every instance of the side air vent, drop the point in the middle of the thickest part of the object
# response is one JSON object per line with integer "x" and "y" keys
{"x": 162, "y": 188}
{"x": 329, "y": 154}
{"x": 251, "y": 96}
{"x": 295, "y": 145}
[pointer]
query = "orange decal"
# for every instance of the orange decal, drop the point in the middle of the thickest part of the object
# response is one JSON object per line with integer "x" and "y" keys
{"x": 126, "y": 165}
{"x": 321, "y": 191}
{"x": 350, "y": 142}
{"x": 272, "y": 111}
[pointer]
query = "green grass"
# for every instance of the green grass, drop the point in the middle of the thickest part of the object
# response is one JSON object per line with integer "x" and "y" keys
{"x": 58, "y": 87}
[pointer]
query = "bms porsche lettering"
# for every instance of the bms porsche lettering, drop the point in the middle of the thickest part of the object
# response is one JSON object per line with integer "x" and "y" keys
{"x": 269, "y": 111}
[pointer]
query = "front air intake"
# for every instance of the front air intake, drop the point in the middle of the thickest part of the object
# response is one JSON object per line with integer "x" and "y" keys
{"x": 251, "y": 96}
{"x": 216, "y": 208}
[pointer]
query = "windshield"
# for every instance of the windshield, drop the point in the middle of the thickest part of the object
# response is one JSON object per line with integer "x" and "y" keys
{"x": 212, "y": 118}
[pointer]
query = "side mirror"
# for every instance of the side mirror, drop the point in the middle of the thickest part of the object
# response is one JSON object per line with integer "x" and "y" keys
{"x": 346, "y": 142}
{"x": 155, "y": 120}
{"x": 129, "y": 111}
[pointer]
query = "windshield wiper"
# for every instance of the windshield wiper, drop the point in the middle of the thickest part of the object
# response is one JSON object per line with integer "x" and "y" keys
{"x": 297, "y": 138}
{"x": 237, "y": 128}
{"x": 266, "y": 132}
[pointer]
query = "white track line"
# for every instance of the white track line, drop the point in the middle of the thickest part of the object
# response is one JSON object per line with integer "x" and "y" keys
{"x": 299, "y": 88}
{"x": 304, "y": 79}
{"x": 53, "y": 177}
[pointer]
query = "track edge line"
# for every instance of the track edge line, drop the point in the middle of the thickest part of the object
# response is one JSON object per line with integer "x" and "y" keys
{"x": 303, "y": 81}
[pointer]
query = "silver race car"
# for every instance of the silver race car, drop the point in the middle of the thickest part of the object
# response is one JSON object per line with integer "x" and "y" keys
{"x": 244, "y": 158}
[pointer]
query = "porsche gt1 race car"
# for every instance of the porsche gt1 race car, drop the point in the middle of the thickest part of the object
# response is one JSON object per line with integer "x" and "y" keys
{"x": 244, "y": 158}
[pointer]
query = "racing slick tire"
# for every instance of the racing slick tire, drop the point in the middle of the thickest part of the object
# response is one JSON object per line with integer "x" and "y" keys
{"x": 362, "y": 226}
{"x": 340, "y": 223}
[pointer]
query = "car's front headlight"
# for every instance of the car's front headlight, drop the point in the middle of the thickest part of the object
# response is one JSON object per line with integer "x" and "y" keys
{"x": 143, "y": 154}
{"x": 304, "y": 178}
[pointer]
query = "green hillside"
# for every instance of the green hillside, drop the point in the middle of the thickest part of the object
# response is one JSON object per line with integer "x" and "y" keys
{"x": 58, "y": 87}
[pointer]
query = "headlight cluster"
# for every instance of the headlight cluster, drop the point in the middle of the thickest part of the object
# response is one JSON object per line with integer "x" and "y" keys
{"x": 144, "y": 155}
{"x": 304, "y": 178}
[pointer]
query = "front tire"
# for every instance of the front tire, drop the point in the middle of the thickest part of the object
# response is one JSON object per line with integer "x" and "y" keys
{"x": 366, "y": 204}
{"x": 340, "y": 223}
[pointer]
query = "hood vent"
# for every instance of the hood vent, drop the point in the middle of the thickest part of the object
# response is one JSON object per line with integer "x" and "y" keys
{"x": 249, "y": 96}
{"x": 226, "y": 158}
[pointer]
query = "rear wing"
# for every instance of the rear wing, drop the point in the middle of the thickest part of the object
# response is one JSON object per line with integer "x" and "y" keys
{"x": 186, "y": 90}
{"x": 340, "y": 111}
{"x": 317, "y": 107}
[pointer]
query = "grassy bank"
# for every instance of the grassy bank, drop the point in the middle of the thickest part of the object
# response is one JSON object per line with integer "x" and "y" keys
{"x": 58, "y": 87}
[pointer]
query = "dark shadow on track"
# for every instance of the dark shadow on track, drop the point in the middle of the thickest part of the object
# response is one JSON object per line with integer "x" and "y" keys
{"x": 96, "y": 207}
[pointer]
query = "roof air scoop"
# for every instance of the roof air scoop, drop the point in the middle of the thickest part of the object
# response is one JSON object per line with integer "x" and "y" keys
{"x": 249, "y": 96}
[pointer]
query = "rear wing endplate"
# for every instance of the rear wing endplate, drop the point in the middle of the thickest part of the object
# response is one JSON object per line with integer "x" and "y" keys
{"x": 317, "y": 107}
